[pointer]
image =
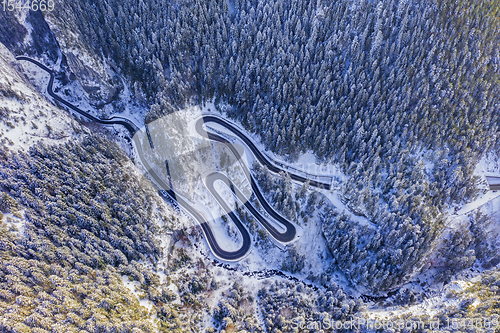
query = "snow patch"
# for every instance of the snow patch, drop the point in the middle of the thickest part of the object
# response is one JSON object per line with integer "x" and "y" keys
{"x": 133, "y": 287}
{"x": 31, "y": 118}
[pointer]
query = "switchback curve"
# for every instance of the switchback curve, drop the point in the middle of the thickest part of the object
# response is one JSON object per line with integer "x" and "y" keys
{"x": 285, "y": 237}
{"x": 165, "y": 191}
{"x": 258, "y": 154}
{"x": 119, "y": 121}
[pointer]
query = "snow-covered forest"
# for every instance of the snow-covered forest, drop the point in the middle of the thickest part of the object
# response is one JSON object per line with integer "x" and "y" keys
{"x": 401, "y": 96}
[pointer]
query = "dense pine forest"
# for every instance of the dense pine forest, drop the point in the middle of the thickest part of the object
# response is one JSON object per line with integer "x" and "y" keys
{"x": 87, "y": 223}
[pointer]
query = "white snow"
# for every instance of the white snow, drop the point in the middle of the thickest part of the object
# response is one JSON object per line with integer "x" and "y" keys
{"x": 15, "y": 223}
{"x": 480, "y": 201}
{"x": 489, "y": 164}
{"x": 32, "y": 118}
{"x": 334, "y": 197}
{"x": 126, "y": 106}
{"x": 133, "y": 287}
{"x": 306, "y": 165}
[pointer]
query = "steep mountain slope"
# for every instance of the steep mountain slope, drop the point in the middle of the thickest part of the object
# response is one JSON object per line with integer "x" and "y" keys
{"x": 27, "y": 117}
{"x": 76, "y": 218}
{"x": 401, "y": 96}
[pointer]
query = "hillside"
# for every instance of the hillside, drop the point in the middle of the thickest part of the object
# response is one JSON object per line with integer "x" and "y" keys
{"x": 393, "y": 106}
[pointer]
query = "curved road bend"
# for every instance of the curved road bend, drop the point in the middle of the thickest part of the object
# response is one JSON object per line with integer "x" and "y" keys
{"x": 290, "y": 233}
{"x": 119, "y": 121}
{"x": 198, "y": 216}
{"x": 262, "y": 159}
{"x": 284, "y": 237}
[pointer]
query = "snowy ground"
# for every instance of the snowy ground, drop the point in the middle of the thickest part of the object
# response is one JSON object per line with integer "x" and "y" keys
{"x": 446, "y": 296}
{"x": 306, "y": 165}
{"x": 488, "y": 202}
{"x": 225, "y": 232}
{"x": 126, "y": 106}
{"x": 306, "y": 162}
{"x": 14, "y": 222}
{"x": 429, "y": 307}
{"x": 310, "y": 240}
{"x": 32, "y": 118}
{"x": 134, "y": 287}
{"x": 488, "y": 165}
{"x": 482, "y": 200}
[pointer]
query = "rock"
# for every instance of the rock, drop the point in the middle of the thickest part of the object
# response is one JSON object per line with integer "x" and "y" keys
{"x": 99, "y": 90}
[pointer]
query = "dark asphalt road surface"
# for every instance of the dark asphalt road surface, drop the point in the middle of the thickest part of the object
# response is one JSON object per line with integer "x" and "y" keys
{"x": 165, "y": 190}
{"x": 112, "y": 121}
{"x": 284, "y": 237}
{"x": 262, "y": 159}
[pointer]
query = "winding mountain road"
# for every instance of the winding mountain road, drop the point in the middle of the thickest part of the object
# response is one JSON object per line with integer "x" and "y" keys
{"x": 284, "y": 237}
{"x": 132, "y": 128}
{"x": 257, "y": 153}
{"x": 167, "y": 192}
